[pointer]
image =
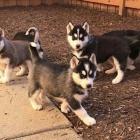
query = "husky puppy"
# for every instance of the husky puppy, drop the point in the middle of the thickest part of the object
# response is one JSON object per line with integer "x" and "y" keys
{"x": 68, "y": 85}
{"x": 104, "y": 47}
{"x": 31, "y": 35}
{"x": 13, "y": 54}
{"x": 133, "y": 39}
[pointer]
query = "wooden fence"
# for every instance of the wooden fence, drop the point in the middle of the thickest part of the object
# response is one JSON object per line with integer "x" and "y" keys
{"x": 121, "y": 7}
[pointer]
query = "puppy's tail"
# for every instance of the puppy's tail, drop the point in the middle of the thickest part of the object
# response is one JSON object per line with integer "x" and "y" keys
{"x": 35, "y": 32}
{"x": 34, "y": 54}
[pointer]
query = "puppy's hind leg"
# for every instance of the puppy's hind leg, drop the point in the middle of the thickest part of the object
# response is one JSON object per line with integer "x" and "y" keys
{"x": 43, "y": 97}
{"x": 130, "y": 65}
{"x": 113, "y": 69}
{"x": 7, "y": 74}
{"x": 22, "y": 71}
{"x": 29, "y": 65}
{"x": 120, "y": 72}
{"x": 33, "y": 98}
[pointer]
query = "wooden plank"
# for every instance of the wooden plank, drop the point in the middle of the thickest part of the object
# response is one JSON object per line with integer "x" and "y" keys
{"x": 9, "y": 2}
{"x": 79, "y": 3}
{"x": 74, "y": 2}
{"x": 34, "y": 2}
{"x": 84, "y": 4}
{"x": 109, "y": 2}
{"x": 132, "y": 4}
{"x": 1, "y": 3}
{"x": 129, "y": 11}
{"x": 96, "y": 5}
{"x": 111, "y": 9}
{"x": 103, "y": 7}
{"x": 122, "y": 7}
{"x": 90, "y": 5}
{"x": 23, "y": 2}
{"x": 49, "y": 2}
{"x": 66, "y": 1}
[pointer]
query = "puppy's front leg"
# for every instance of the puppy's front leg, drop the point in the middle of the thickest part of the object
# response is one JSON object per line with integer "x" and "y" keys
{"x": 1, "y": 73}
{"x": 7, "y": 75}
{"x": 81, "y": 112}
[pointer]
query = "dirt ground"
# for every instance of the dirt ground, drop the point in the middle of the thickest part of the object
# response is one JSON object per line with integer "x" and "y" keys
{"x": 116, "y": 108}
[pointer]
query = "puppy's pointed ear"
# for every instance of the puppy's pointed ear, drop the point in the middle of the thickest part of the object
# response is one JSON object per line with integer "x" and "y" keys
{"x": 86, "y": 27}
{"x": 70, "y": 26}
{"x": 92, "y": 59}
{"x": 74, "y": 62}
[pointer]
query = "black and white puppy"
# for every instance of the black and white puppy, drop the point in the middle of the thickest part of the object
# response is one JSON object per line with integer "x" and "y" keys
{"x": 69, "y": 85}
{"x": 104, "y": 47}
{"x": 13, "y": 54}
{"x": 133, "y": 39}
{"x": 31, "y": 35}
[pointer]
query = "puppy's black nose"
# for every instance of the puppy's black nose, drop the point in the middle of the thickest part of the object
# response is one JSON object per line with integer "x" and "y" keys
{"x": 89, "y": 86}
{"x": 77, "y": 46}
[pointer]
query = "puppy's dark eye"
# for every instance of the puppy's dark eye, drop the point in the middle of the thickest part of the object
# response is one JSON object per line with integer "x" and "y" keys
{"x": 82, "y": 76}
{"x": 91, "y": 75}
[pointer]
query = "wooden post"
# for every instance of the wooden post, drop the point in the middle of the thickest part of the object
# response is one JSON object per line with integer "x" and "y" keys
{"x": 122, "y": 7}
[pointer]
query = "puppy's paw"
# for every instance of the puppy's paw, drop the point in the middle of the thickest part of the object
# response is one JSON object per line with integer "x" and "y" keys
{"x": 100, "y": 69}
{"x": 89, "y": 120}
{"x": 116, "y": 81}
{"x": 37, "y": 107}
{"x": 110, "y": 71}
{"x": 65, "y": 110}
{"x": 131, "y": 67}
{"x": 3, "y": 80}
{"x": 19, "y": 73}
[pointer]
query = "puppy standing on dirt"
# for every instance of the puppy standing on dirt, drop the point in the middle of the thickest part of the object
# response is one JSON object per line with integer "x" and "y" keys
{"x": 133, "y": 39}
{"x": 13, "y": 54}
{"x": 104, "y": 47}
{"x": 68, "y": 85}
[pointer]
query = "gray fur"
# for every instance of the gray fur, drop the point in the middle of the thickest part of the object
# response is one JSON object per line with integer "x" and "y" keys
{"x": 57, "y": 80}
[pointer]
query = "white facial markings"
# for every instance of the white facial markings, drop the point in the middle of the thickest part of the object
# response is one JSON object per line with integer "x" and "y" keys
{"x": 87, "y": 67}
{"x": 78, "y": 33}
{"x": 83, "y": 72}
{"x": 81, "y": 35}
{"x": 75, "y": 35}
{"x": 90, "y": 72}
{"x": 85, "y": 80}
{"x": 74, "y": 43}
{"x": 1, "y": 44}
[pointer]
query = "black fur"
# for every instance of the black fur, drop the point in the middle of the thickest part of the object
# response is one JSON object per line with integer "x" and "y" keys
{"x": 105, "y": 47}
{"x": 132, "y": 37}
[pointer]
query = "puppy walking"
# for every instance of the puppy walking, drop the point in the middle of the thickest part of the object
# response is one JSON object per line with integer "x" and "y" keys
{"x": 83, "y": 45}
{"x": 133, "y": 39}
{"x": 31, "y": 35}
{"x": 68, "y": 85}
{"x": 13, "y": 54}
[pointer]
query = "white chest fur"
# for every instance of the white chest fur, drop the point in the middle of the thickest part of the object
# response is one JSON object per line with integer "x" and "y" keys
{"x": 80, "y": 97}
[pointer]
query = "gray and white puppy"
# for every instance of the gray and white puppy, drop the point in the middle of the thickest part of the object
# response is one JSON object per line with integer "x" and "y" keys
{"x": 31, "y": 35}
{"x": 69, "y": 85}
{"x": 13, "y": 54}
